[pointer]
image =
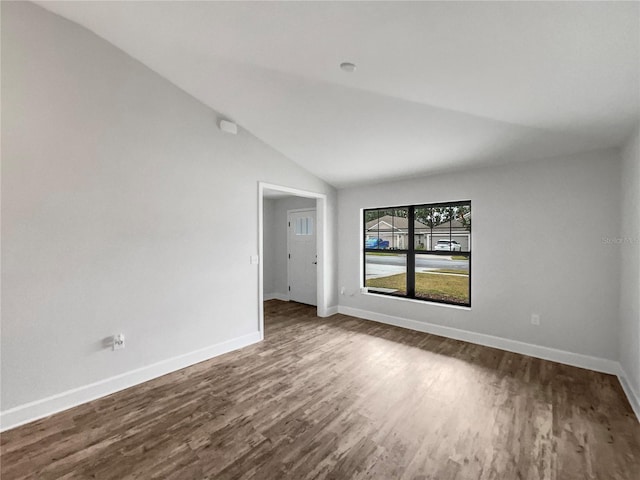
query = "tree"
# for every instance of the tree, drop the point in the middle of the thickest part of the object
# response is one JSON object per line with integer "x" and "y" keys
{"x": 463, "y": 215}
{"x": 376, "y": 214}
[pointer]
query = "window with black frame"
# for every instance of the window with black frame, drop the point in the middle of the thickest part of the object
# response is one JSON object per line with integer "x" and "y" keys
{"x": 421, "y": 252}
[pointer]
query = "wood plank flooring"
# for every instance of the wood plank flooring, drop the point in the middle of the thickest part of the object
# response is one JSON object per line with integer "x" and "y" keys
{"x": 342, "y": 398}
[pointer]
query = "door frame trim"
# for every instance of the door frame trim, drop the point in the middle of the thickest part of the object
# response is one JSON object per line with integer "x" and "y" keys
{"x": 315, "y": 232}
{"x": 322, "y": 245}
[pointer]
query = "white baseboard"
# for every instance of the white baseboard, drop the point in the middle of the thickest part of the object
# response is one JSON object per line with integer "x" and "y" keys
{"x": 632, "y": 395}
{"x": 545, "y": 353}
{"x": 29, "y": 412}
{"x": 276, "y": 296}
{"x": 328, "y": 312}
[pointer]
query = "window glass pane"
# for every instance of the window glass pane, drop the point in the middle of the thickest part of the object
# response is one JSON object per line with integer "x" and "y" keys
{"x": 442, "y": 233}
{"x": 400, "y": 229}
{"x": 423, "y": 226}
{"x": 442, "y": 278}
{"x": 386, "y": 229}
{"x": 304, "y": 226}
{"x": 372, "y": 229}
{"x": 431, "y": 224}
{"x": 461, "y": 227}
{"x": 386, "y": 272}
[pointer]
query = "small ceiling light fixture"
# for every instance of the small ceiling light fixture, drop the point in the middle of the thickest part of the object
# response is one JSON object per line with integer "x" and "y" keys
{"x": 348, "y": 67}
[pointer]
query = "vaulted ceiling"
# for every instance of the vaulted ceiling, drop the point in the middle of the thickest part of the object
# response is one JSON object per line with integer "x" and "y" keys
{"x": 438, "y": 85}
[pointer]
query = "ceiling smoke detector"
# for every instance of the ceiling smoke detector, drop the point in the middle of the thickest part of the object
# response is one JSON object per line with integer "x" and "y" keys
{"x": 348, "y": 67}
{"x": 228, "y": 127}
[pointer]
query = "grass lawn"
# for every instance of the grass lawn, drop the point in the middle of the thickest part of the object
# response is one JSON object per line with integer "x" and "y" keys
{"x": 452, "y": 288}
{"x": 450, "y": 270}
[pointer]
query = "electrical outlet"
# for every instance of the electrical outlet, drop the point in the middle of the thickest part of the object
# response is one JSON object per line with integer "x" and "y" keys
{"x": 118, "y": 341}
{"x": 535, "y": 319}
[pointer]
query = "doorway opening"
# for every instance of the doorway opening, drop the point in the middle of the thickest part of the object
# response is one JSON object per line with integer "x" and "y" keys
{"x": 291, "y": 247}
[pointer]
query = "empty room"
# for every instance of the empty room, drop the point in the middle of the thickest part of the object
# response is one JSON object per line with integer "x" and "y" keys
{"x": 320, "y": 240}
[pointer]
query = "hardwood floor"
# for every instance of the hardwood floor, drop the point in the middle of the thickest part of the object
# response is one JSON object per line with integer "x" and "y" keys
{"x": 342, "y": 398}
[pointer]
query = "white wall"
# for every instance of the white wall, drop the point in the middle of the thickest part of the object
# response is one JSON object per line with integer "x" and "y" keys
{"x": 269, "y": 247}
{"x": 275, "y": 242}
{"x": 537, "y": 247}
{"x": 124, "y": 210}
{"x": 628, "y": 245}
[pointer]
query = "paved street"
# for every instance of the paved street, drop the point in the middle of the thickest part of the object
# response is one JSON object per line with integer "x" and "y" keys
{"x": 385, "y": 265}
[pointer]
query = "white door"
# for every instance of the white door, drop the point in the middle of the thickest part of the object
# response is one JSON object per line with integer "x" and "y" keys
{"x": 303, "y": 258}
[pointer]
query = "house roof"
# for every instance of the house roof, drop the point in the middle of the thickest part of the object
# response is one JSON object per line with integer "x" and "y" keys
{"x": 455, "y": 226}
{"x": 390, "y": 222}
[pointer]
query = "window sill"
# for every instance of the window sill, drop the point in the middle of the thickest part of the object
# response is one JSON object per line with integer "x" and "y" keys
{"x": 363, "y": 291}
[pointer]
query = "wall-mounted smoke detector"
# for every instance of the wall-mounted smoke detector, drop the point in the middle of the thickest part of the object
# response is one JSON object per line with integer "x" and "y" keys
{"x": 348, "y": 67}
{"x": 228, "y": 126}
